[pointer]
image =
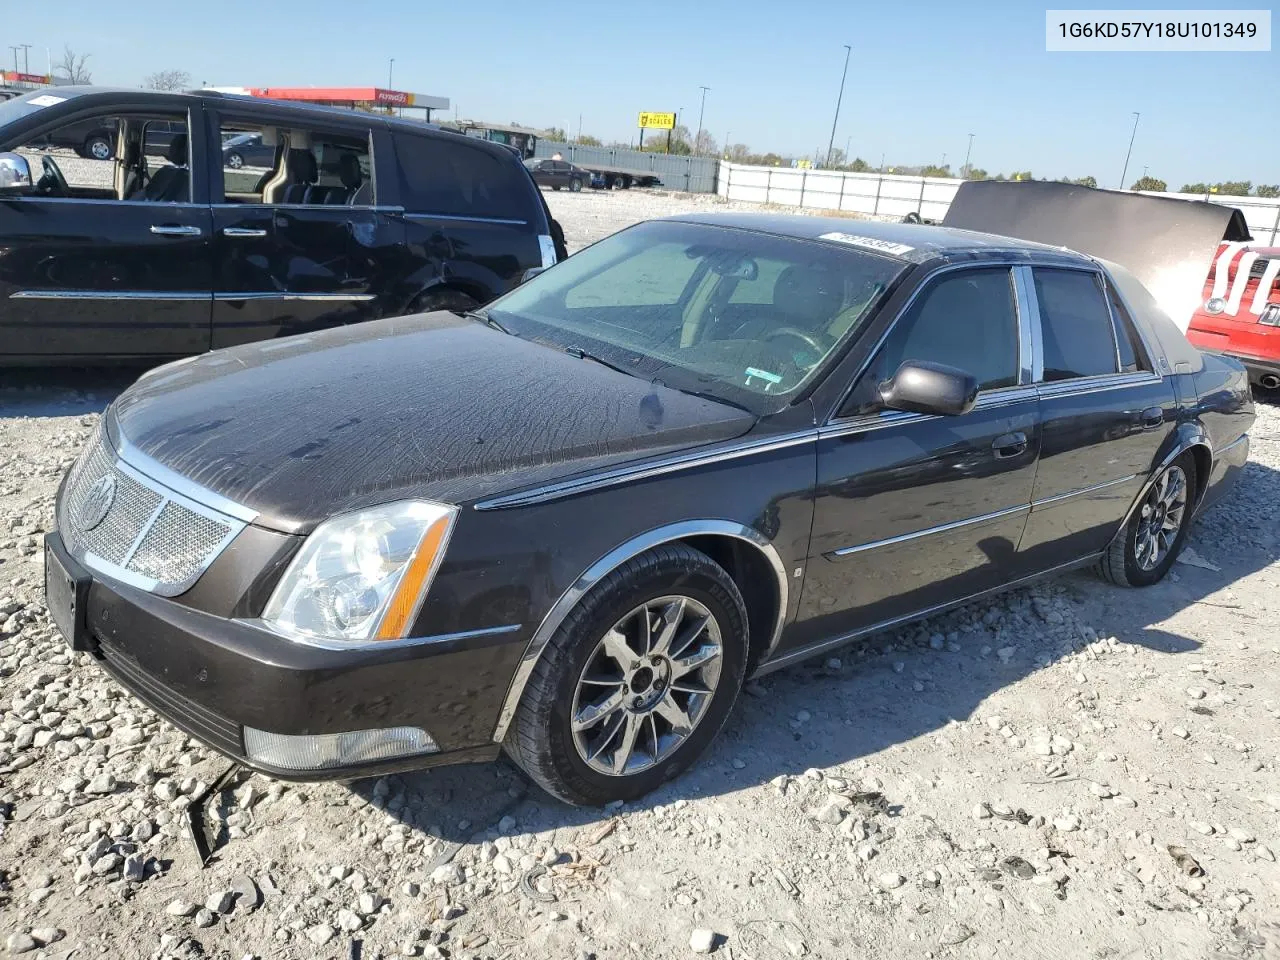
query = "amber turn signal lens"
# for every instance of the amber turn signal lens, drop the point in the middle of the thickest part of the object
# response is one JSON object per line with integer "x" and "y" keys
{"x": 413, "y": 585}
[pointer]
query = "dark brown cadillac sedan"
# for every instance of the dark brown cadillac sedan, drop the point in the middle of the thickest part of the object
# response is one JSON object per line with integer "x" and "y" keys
{"x": 572, "y": 524}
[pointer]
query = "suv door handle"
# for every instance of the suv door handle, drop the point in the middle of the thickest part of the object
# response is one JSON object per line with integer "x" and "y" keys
{"x": 174, "y": 231}
{"x": 242, "y": 232}
{"x": 1152, "y": 417}
{"x": 1009, "y": 445}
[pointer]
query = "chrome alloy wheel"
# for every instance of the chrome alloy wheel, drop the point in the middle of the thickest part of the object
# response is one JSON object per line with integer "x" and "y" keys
{"x": 1160, "y": 518}
{"x": 646, "y": 685}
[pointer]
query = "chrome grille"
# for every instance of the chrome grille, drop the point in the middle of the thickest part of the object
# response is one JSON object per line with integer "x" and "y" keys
{"x": 150, "y": 536}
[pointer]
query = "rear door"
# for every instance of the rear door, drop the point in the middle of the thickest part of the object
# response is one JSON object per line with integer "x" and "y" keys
{"x": 88, "y": 271}
{"x": 914, "y": 511}
{"x": 298, "y": 242}
{"x": 1106, "y": 414}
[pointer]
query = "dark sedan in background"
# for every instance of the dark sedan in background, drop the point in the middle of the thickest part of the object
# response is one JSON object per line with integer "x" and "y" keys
{"x": 247, "y": 150}
{"x": 560, "y": 174}
{"x": 572, "y": 524}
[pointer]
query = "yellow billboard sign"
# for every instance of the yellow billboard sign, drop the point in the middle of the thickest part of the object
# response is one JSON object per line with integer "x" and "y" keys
{"x": 657, "y": 121}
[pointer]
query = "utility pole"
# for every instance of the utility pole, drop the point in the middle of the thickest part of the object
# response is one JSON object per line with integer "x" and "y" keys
{"x": 1125, "y": 172}
{"x": 15, "y": 49}
{"x": 579, "y": 128}
{"x": 839, "y": 99}
{"x": 26, "y": 61}
{"x": 698, "y": 135}
{"x": 391, "y": 66}
{"x": 964, "y": 171}
{"x": 726, "y": 144}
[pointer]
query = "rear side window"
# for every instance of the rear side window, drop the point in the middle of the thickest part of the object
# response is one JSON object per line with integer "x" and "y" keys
{"x": 451, "y": 178}
{"x": 1079, "y": 340}
{"x": 1133, "y": 357}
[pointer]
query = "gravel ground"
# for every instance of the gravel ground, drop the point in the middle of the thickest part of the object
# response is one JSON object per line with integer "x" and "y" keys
{"x": 1072, "y": 770}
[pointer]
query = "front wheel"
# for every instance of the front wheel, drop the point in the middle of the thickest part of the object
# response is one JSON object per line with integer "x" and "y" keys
{"x": 575, "y": 186}
{"x": 235, "y": 161}
{"x": 98, "y": 147}
{"x": 636, "y": 682}
{"x": 1147, "y": 547}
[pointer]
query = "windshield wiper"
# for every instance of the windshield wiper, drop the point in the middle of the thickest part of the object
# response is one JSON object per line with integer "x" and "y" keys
{"x": 704, "y": 395}
{"x": 487, "y": 318}
{"x": 581, "y": 354}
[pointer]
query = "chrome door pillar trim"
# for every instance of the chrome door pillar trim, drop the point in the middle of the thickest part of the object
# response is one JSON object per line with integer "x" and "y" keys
{"x": 607, "y": 564}
{"x": 926, "y": 532}
{"x": 1029, "y": 317}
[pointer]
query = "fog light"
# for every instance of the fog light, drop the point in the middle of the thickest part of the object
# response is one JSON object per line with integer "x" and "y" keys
{"x": 329, "y": 751}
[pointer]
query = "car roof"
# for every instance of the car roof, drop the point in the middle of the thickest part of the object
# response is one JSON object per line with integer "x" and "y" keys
{"x": 318, "y": 110}
{"x": 915, "y": 243}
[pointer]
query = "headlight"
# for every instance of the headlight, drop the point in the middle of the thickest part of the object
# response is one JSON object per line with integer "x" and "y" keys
{"x": 362, "y": 576}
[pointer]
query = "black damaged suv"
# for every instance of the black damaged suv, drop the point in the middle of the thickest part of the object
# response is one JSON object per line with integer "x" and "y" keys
{"x": 145, "y": 253}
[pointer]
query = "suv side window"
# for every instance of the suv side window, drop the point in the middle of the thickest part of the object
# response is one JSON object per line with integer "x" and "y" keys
{"x": 966, "y": 319}
{"x": 265, "y": 163}
{"x": 1079, "y": 339}
{"x": 139, "y": 157}
{"x": 447, "y": 176}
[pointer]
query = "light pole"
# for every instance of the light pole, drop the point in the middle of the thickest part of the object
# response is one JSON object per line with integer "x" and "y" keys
{"x": 964, "y": 171}
{"x": 831, "y": 143}
{"x": 26, "y": 62}
{"x": 698, "y": 136}
{"x": 727, "y": 134}
{"x": 15, "y": 48}
{"x": 1125, "y": 172}
{"x": 391, "y": 66}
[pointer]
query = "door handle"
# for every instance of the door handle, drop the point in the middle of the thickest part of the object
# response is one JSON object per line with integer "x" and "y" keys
{"x": 1009, "y": 445}
{"x": 242, "y": 232}
{"x": 174, "y": 231}
{"x": 1152, "y": 417}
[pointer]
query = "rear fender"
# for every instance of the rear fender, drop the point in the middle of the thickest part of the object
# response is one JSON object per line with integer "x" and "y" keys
{"x": 1189, "y": 436}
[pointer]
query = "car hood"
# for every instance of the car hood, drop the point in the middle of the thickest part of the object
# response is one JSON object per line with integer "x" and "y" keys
{"x": 431, "y": 405}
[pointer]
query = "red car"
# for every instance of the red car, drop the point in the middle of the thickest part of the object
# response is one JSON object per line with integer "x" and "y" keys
{"x": 1239, "y": 314}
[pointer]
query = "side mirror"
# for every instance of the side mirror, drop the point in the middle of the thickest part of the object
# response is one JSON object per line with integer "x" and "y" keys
{"x": 15, "y": 172}
{"x": 920, "y": 386}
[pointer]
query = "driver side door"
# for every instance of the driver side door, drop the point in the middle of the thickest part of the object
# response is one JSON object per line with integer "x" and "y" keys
{"x": 92, "y": 269}
{"x": 915, "y": 511}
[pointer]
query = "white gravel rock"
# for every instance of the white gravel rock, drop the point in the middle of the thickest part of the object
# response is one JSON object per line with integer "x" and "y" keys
{"x": 702, "y": 940}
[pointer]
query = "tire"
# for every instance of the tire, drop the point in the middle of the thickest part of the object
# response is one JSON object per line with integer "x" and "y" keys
{"x": 556, "y": 189}
{"x": 98, "y": 147}
{"x": 447, "y": 299}
{"x": 575, "y": 185}
{"x": 1124, "y": 564}
{"x": 235, "y": 161}
{"x": 541, "y": 739}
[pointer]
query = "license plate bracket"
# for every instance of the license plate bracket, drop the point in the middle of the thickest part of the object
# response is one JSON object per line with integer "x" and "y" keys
{"x": 66, "y": 592}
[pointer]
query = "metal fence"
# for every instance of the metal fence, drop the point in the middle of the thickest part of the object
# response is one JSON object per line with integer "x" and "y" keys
{"x": 690, "y": 174}
{"x": 893, "y": 195}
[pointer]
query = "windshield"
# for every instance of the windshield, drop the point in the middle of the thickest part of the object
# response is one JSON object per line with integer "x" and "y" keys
{"x": 742, "y": 316}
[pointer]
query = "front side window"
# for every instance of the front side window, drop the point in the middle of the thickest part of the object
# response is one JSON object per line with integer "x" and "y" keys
{"x": 263, "y": 163}
{"x": 965, "y": 319}
{"x": 138, "y": 157}
{"x": 659, "y": 301}
{"x": 1075, "y": 324}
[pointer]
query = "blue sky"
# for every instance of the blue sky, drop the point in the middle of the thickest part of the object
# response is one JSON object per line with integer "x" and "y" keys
{"x": 922, "y": 77}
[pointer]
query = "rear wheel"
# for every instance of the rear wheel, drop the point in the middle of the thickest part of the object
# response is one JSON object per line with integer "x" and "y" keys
{"x": 1144, "y": 551}
{"x": 575, "y": 185}
{"x": 97, "y": 146}
{"x": 557, "y": 189}
{"x": 636, "y": 682}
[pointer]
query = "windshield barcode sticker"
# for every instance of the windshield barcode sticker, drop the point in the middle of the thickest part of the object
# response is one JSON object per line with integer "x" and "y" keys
{"x": 763, "y": 375}
{"x": 871, "y": 243}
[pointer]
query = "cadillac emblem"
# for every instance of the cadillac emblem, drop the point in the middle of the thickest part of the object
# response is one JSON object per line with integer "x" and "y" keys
{"x": 97, "y": 503}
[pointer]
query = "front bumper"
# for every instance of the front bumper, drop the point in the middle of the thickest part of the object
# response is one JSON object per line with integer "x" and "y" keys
{"x": 211, "y": 677}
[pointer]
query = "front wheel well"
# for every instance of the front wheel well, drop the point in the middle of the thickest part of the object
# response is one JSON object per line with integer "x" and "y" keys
{"x": 756, "y": 580}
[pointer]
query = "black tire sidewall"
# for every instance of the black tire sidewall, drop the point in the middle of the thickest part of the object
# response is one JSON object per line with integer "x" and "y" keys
{"x": 95, "y": 139}
{"x": 724, "y": 606}
{"x": 575, "y": 186}
{"x": 1134, "y": 573}
{"x": 231, "y": 161}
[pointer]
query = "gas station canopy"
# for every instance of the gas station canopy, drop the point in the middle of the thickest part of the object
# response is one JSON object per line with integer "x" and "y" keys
{"x": 351, "y": 97}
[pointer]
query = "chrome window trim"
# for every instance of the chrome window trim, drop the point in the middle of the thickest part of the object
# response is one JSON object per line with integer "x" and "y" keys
{"x": 177, "y": 296}
{"x": 927, "y": 532}
{"x": 151, "y": 472}
{"x": 223, "y": 297}
{"x": 352, "y": 646}
{"x": 645, "y": 470}
{"x": 991, "y": 399}
{"x": 466, "y": 219}
{"x": 1027, "y": 295}
{"x": 364, "y": 208}
{"x": 1093, "y": 488}
{"x": 1098, "y": 384}
{"x": 606, "y": 565}
{"x": 153, "y": 204}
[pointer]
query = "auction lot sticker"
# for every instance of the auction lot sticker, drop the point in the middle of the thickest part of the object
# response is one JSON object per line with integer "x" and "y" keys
{"x": 1169, "y": 31}
{"x": 871, "y": 243}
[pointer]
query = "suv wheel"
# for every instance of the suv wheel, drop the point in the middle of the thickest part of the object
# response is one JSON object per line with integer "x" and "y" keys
{"x": 637, "y": 681}
{"x": 1146, "y": 548}
{"x": 97, "y": 146}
